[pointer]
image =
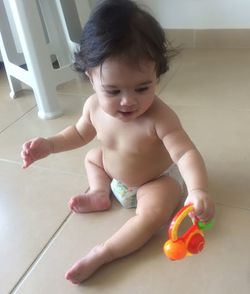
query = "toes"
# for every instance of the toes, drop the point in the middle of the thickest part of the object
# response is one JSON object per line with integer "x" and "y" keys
{"x": 73, "y": 277}
{"x": 74, "y": 203}
{"x": 71, "y": 205}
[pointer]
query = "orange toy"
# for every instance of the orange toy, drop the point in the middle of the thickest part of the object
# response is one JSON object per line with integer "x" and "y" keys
{"x": 192, "y": 241}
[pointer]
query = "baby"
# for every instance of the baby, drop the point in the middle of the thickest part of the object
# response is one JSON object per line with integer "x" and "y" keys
{"x": 145, "y": 157}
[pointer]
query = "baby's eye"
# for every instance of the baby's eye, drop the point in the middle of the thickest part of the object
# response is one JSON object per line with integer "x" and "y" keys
{"x": 113, "y": 92}
{"x": 140, "y": 90}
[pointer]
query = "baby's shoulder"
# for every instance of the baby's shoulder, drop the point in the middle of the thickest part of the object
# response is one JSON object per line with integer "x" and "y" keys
{"x": 91, "y": 104}
{"x": 91, "y": 101}
{"x": 166, "y": 120}
{"x": 163, "y": 112}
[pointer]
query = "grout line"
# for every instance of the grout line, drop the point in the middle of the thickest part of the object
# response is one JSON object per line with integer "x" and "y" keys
{"x": 42, "y": 168}
{"x": 232, "y": 206}
{"x": 39, "y": 256}
{"x": 12, "y": 123}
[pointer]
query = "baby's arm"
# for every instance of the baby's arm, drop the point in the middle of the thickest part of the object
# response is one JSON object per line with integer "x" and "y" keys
{"x": 70, "y": 138}
{"x": 193, "y": 171}
{"x": 191, "y": 165}
{"x": 73, "y": 136}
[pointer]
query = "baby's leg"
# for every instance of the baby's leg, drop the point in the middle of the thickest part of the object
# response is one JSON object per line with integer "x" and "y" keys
{"x": 98, "y": 196}
{"x": 156, "y": 203}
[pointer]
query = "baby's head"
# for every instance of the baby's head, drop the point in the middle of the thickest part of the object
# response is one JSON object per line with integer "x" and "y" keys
{"x": 120, "y": 28}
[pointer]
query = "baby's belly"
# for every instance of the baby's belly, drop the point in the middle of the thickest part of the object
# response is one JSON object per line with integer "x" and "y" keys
{"x": 137, "y": 169}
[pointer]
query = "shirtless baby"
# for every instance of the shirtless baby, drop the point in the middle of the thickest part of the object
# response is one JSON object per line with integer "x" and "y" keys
{"x": 144, "y": 153}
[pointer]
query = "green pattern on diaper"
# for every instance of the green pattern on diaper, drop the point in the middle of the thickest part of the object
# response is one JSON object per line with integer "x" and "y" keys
{"x": 121, "y": 188}
{"x": 126, "y": 196}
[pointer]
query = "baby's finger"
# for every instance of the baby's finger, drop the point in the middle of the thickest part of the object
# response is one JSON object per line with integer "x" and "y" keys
{"x": 24, "y": 154}
{"x": 207, "y": 215}
{"x": 199, "y": 209}
{"x": 26, "y": 162}
{"x": 187, "y": 202}
{"x": 25, "y": 165}
{"x": 35, "y": 143}
{"x": 26, "y": 146}
{"x": 192, "y": 216}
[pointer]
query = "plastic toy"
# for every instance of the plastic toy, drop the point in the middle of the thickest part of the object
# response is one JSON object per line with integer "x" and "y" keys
{"x": 191, "y": 242}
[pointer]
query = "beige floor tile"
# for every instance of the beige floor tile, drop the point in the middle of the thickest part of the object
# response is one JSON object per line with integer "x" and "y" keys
{"x": 223, "y": 266}
{"x": 223, "y": 138}
{"x": 33, "y": 205}
{"x": 30, "y": 126}
{"x": 216, "y": 78}
{"x": 12, "y": 109}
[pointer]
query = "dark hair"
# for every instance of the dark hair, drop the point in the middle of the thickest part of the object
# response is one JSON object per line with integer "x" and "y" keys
{"x": 121, "y": 27}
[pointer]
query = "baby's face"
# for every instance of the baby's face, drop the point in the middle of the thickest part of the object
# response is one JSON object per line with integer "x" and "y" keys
{"x": 124, "y": 90}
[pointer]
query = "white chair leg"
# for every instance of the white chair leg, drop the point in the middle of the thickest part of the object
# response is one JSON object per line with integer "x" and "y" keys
{"x": 37, "y": 56}
{"x": 15, "y": 86}
{"x": 8, "y": 51}
{"x": 29, "y": 20}
{"x": 56, "y": 36}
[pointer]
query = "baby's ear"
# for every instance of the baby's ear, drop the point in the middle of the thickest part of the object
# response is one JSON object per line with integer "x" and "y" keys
{"x": 88, "y": 74}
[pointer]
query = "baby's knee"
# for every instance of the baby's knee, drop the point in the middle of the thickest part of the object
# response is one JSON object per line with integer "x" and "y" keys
{"x": 153, "y": 217}
{"x": 93, "y": 155}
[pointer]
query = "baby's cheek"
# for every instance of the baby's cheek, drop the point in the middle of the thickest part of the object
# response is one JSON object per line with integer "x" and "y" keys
{"x": 105, "y": 104}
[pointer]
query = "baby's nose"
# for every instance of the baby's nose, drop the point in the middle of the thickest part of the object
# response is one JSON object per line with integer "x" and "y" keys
{"x": 128, "y": 100}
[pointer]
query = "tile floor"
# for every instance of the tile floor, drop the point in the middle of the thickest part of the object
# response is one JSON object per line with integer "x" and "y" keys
{"x": 40, "y": 238}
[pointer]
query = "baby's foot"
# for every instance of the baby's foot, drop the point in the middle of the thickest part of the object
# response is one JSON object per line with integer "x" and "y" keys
{"x": 86, "y": 266}
{"x": 90, "y": 201}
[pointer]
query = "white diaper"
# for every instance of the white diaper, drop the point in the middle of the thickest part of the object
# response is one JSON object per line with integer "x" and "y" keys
{"x": 127, "y": 195}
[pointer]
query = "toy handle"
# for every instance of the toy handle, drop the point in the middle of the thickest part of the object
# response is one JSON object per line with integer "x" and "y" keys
{"x": 177, "y": 220}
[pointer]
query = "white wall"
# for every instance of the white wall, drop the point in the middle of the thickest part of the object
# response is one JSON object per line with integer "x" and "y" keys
{"x": 201, "y": 14}
{"x": 194, "y": 14}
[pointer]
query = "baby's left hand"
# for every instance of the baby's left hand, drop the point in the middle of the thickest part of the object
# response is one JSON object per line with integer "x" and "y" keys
{"x": 203, "y": 205}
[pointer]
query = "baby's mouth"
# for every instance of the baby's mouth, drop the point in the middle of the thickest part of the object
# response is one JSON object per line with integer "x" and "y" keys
{"x": 126, "y": 113}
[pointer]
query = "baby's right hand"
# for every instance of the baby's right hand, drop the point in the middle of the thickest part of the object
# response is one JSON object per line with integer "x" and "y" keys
{"x": 35, "y": 149}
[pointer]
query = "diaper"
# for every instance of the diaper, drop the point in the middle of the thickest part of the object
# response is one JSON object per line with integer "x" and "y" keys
{"x": 127, "y": 195}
